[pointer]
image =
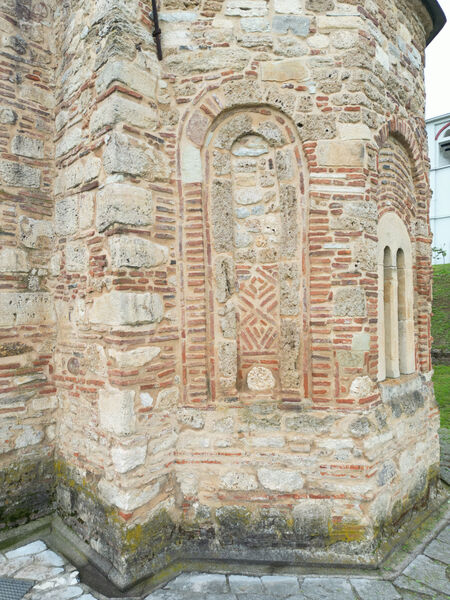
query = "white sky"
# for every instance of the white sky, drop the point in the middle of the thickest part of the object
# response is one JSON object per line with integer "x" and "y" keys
{"x": 437, "y": 79}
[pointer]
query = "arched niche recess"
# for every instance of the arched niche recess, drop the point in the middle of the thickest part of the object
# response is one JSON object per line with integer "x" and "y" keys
{"x": 256, "y": 232}
{"x": 396, "y": 351}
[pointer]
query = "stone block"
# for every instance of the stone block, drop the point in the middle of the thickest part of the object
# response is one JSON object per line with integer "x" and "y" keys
{"x": 201, "y": 583}
{"x": 120, "y": 156}
{"x": 77, "y": 257}
{"x": 137, "y": 357}
{"x": 197, "y": 127}
{"x": 26, "y": 308}
{"x": 28, "y": 436}
{"x": 191, "y": 164}
{"x": 81, "y": 171}
{"x": 327, "y": 588}
{"x": 35, "y": 233}
{"x": 116, "y": 410}
{"x": 17, "y": 174}
{"x": 126, "y": 500}
{"x": 341, "y": 22}
{"x": 293, "y": 7}
{"x": 280, "y": 480}
{"x": 222, "y": 215}
{"x": 350, "y": 301}
{"x": 289, "y": 69}
{"x": 361, "y": 387}
{"x": 126, "y": 308}
{"x": 133, "y": 251}
{"x": 167, "y": 399}
{"x": 260, "y": 379}
{"x": 255, "y": 24}
{"x": 238, "y": 481}
{"x": 280, "y": 586}
{"x": 353, "y": 131}
{"x": 70, "y": 140}
{"x": 288, "y": 23}
{"x": 128, "y": 458}
{"x": 227, "y": 356}
{"x": 128, "y": 74}
{"x": 341, "y": 153}
{"x": 225, "y": 278}
{"x": 245, "y": 584}
{"x": 312, "y": 518}
{"x": 246, "y": 8}
{"x": 8, "y": 116}
{"x": 13, "y": 260}
{"x": 123, "y": 203}
{"x": 66, "y": 215}
{"x": 118, "y": 109}
{"x": 23, "y": 145}
{"x": 191, "y": 418}
{"x": 214, "y": 59}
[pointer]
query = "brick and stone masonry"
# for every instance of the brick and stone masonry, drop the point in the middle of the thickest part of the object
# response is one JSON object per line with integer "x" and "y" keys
{"x": 215, "y": 277}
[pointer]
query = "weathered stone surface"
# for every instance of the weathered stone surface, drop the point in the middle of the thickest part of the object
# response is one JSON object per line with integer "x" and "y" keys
{"x": 245, "y": 584}
{"x": 312, "y": 518}
{"x": 17, "y": 174}
{"x": 334, "y": 154}
{"x": 77, "y": 257}
{"x": 117, "y": 109}
{"x": 123, "y": 203}
{"x": 137, "y": 357}
{"x": 260, "y": 379}
{"x": 361, "y": 387}
{"x": 280, "y": 480}
{"x": 13, "y": 260}
{"x": 327, "y": 588}
{"x": 285, "y": 70}
{"x": 239, "y": 481}
{"x": 191, "y": 166}
{"x": 69, "y": 141}
{"x": 127, "y": 73}
{"x": 246, "y": 8}
{"x": 227, "y": 355}
{"x": 372, "y": 589}
{"x": 191, "y": 417}
{"x": 133, "y": 251}
{"x": 27, "y": 146}
{"x": 280, "y": 585}
{"x": 120, "y": 156}
{"x": 200, "y": 583}
{"x": 8, "y": 116}
{"x": 35, "y": 233}
{"x": 66, "y": 215}
{"x": 210, "y": 60}
{"x": 128, "y": 458}
{"x": 126, "y": 308}
{"x": 349, "y": 302}
{"x": 427, "y": 572}
{"x": 116, "y": 410}
{"x": 26, "y": 308}
{"x": 222, "y": 215}
{"x": 126, "y": 500}
{"x": 225, "y": 278}
{"x": 297, "y": 25}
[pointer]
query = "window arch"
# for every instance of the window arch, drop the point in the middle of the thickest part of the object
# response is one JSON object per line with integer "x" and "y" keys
{"x": 396, "y": 355}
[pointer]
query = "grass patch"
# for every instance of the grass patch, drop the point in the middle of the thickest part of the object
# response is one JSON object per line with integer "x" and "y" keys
{"x": 441, "y": 380}
{"x": 440, "y": 330}
{"x": 440, "y": 321}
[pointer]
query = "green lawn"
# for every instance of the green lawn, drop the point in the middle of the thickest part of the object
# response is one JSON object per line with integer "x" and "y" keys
{"x": 440, "y": 323}
{"x": 441, "y": 380}
{"x": 440, "y": 330}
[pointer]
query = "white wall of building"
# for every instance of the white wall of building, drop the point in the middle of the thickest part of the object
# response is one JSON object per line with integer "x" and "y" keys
{"x": 440, "y": 183}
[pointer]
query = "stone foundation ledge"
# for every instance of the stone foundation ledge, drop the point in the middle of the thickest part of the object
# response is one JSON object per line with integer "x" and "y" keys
{"x": 388, "y": 559}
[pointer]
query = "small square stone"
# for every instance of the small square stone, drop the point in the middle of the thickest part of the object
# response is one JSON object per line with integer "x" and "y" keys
{"x": 439, "y": 551}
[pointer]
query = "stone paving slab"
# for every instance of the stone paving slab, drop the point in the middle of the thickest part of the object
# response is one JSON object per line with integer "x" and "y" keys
{"x": 426, "y": 577}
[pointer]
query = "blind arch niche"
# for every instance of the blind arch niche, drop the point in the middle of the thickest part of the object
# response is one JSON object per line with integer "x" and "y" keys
{"x": 256, "y": 233}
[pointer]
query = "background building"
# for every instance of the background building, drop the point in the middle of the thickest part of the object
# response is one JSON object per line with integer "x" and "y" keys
{"x": 438, "y": 131}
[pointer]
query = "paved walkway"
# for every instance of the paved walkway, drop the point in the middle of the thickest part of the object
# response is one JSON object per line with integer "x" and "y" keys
{"x": 425, "y": 577}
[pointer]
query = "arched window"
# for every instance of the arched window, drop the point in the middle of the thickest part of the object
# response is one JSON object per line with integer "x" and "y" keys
{"x": 396, "y": 299}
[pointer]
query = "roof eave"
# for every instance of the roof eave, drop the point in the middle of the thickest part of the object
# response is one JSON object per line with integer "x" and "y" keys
{"x": 437, "y": 16}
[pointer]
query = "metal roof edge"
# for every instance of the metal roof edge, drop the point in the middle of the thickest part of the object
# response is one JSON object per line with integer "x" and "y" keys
{"x": 437, "y": 16}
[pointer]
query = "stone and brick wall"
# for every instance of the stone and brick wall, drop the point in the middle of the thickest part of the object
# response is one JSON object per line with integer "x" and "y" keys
{"x": 27, "y": 317}
{"x": 195, "y": 270}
